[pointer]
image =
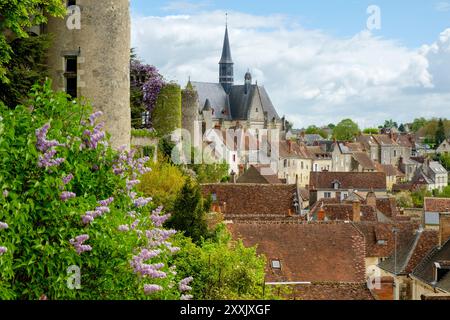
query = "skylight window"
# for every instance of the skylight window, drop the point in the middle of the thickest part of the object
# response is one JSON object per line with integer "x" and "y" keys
{"x": 276, "y": 264}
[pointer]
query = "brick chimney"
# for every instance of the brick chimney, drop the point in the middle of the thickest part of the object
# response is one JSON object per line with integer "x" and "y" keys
{"x": 444, "y": 228}
{"x": 356, "y": 211}
{"x": 321, "y": 215}
{"x": 371, "y": 199}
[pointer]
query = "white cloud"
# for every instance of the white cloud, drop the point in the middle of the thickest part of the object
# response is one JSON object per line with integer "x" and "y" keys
{"x": 186, "y": 6}
{"x": 312, "y": 77}
{"x": 443, "y": 6}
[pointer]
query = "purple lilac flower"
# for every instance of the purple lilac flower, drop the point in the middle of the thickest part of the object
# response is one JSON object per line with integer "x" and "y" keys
{"x": 67, "y": 178}
{"x": 186, "y": 297}
{"x": 141, "y": 202}
{"x": 123, "y": 228}
{"x": 78, "y": 243}
{"x": 66, "y": 195}
{"x": 5, "y": 193}
{"x": 102, "y": 210}
{"x": 42, "y": 143}
{"x": 3, "y": 225}
{"x": 132, "y": 183}
{"x": 152, "y": 288}
{"x": 183, "y": 285}
{"x": 106, "y": 202}
{"x": 94, "y": 116}
{"x": 47, "y": 160}
{"x": 135, "y": 224}
{"x": 87, "y": 218}
{"x": 3, "y": 250}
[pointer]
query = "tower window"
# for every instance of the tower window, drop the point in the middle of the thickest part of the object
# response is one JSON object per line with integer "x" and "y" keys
{"x": 70, "y": 75}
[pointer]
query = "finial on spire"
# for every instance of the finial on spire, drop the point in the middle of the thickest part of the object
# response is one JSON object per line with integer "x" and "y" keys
{"x": 226, "y": 19}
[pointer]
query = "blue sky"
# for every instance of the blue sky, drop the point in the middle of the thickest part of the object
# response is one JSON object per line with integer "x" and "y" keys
{"x": 413, "y": 22}
{"x": 317, "y": 59}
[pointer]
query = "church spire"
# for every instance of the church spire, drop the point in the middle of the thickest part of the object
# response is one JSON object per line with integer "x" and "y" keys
{"x": 226, "y": 77}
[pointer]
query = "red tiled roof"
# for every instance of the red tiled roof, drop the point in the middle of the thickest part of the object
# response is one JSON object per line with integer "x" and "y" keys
{"x": 347, "y": 180}
{"x": 437, "y": 204}
{"x": 344, "y": 212}
{"x": 332, "y": 291}
{"x": 364, "y": 160}
{"x": 244, "y": 199}
{"x": 254, "y": 175}
{"x": 324, "y": 252}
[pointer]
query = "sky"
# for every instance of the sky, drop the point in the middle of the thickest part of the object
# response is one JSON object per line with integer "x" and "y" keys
{"x": 319, "y": 60}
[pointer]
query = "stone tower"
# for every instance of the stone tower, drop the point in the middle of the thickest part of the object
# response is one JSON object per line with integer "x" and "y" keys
{"x": 190, "y": 109}
{"x": 90, "y": 57}
{"x": 226, "y": 74}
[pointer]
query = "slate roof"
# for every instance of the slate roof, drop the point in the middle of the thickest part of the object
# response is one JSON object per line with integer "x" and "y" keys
{"x": 437, "y": 204}
{"x": 347, "y": 180}
{"x": 425, "y": 269}
{"x": 217, "y": 97}
{"x": 384, "y": 139}
{"x": 240, "y": 102}
{"x": 226, "y": 51}
{"x": 237, "y": 105}
{"x": 410, "y": 250}
{"x": 316, "y": 252}
{"x": 436, "y": 167}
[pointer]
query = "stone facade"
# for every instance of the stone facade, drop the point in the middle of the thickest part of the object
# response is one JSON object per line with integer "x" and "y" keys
{"x": 102, "y": 48}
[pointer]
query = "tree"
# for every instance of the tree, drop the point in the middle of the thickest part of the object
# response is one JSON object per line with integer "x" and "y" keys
{"x": 444, "y": 159}
{"x": 331, "y": 126}
{"x": 404, "y": 199}
{"x": 16, "y": 18}
{"x": 346, "y": 130}
{"x": 316, "y": 130}
{"x": 26, "y": 68}
{"x": 440, "y": 133}
{"x": 402, "y": 128}
{"x": 163, "y": 183}
{"x": 289, "y": 126}
{"x": 418, "y": 124}
{"x": 371, "y": 131}
{"x": 418, "y": 197}
{"x": 189, "y": 212}
{"x": 390, "y": 124}
{"x": 223, "y": 269}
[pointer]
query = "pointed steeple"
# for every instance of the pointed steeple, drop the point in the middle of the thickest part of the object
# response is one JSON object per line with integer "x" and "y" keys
{"x": 226, "y": 76}
{"x": 226, "y": 51}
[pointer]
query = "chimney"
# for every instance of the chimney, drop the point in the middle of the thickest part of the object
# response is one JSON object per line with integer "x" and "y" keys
{"x": 371, "y": 199}
{"x": 444, "y": 228}
{"x": 290, "y": 145}
{"x": 321, "y": 215}
{"x": 233, "y": 176}
{"x": 356, "y": 211}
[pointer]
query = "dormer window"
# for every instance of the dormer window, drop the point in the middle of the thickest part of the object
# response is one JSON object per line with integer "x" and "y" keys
{"x": 336, "y": 185}
{"x": 276, "y": 264}
{"x": 441, "y": 268}
{"x": 382, "y": 242}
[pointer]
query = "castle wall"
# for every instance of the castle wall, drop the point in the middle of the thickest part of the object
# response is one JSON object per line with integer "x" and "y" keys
{"x": 102, "y": 46}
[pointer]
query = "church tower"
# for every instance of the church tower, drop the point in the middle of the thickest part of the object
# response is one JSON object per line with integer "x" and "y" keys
{"x": 90, "y": 58}
{"x": 226, "y": 78}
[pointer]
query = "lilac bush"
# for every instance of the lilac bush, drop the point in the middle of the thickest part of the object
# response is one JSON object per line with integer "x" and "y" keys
{"x": 69, "y": 199}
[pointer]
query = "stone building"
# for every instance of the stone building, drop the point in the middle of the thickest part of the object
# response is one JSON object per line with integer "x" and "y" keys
{"x": 90, "y": 57}
{"x": 225, "y": 105}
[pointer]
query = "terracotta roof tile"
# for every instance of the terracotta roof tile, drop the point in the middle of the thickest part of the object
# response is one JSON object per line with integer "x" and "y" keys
{"x": 325, "y": 252}
{"x": 437, "y": 204}
{"x": 347, "y": 180}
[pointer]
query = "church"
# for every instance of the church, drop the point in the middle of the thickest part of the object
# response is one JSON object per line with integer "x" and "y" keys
{"x": 224, "y": 105}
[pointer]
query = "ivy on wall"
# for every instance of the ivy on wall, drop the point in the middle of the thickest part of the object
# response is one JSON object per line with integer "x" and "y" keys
{"x": 166, "y": 115}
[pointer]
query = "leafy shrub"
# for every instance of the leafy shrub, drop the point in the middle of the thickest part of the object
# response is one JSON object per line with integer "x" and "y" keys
{"x": 67, "y": 199}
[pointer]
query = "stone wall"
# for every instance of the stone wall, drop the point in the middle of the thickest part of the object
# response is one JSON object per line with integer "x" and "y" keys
{"x": 102, "y": 46}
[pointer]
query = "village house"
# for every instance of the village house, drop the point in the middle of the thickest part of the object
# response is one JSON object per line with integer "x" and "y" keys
{"x": 444, "y": 147}
{"x": 293, "y": 260}
{"x": 254, "y": 201}
{"x": 259, "y": 174}
{"x": 321, "y": 160}
{"x": 409, "y": 250}
{"x": 432, "y": 208}
{"x": 295, "y": 163}
{"x": 432, "y": 175}
{"x": 393, "y": 175}
{"x": 341, "y": 184}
